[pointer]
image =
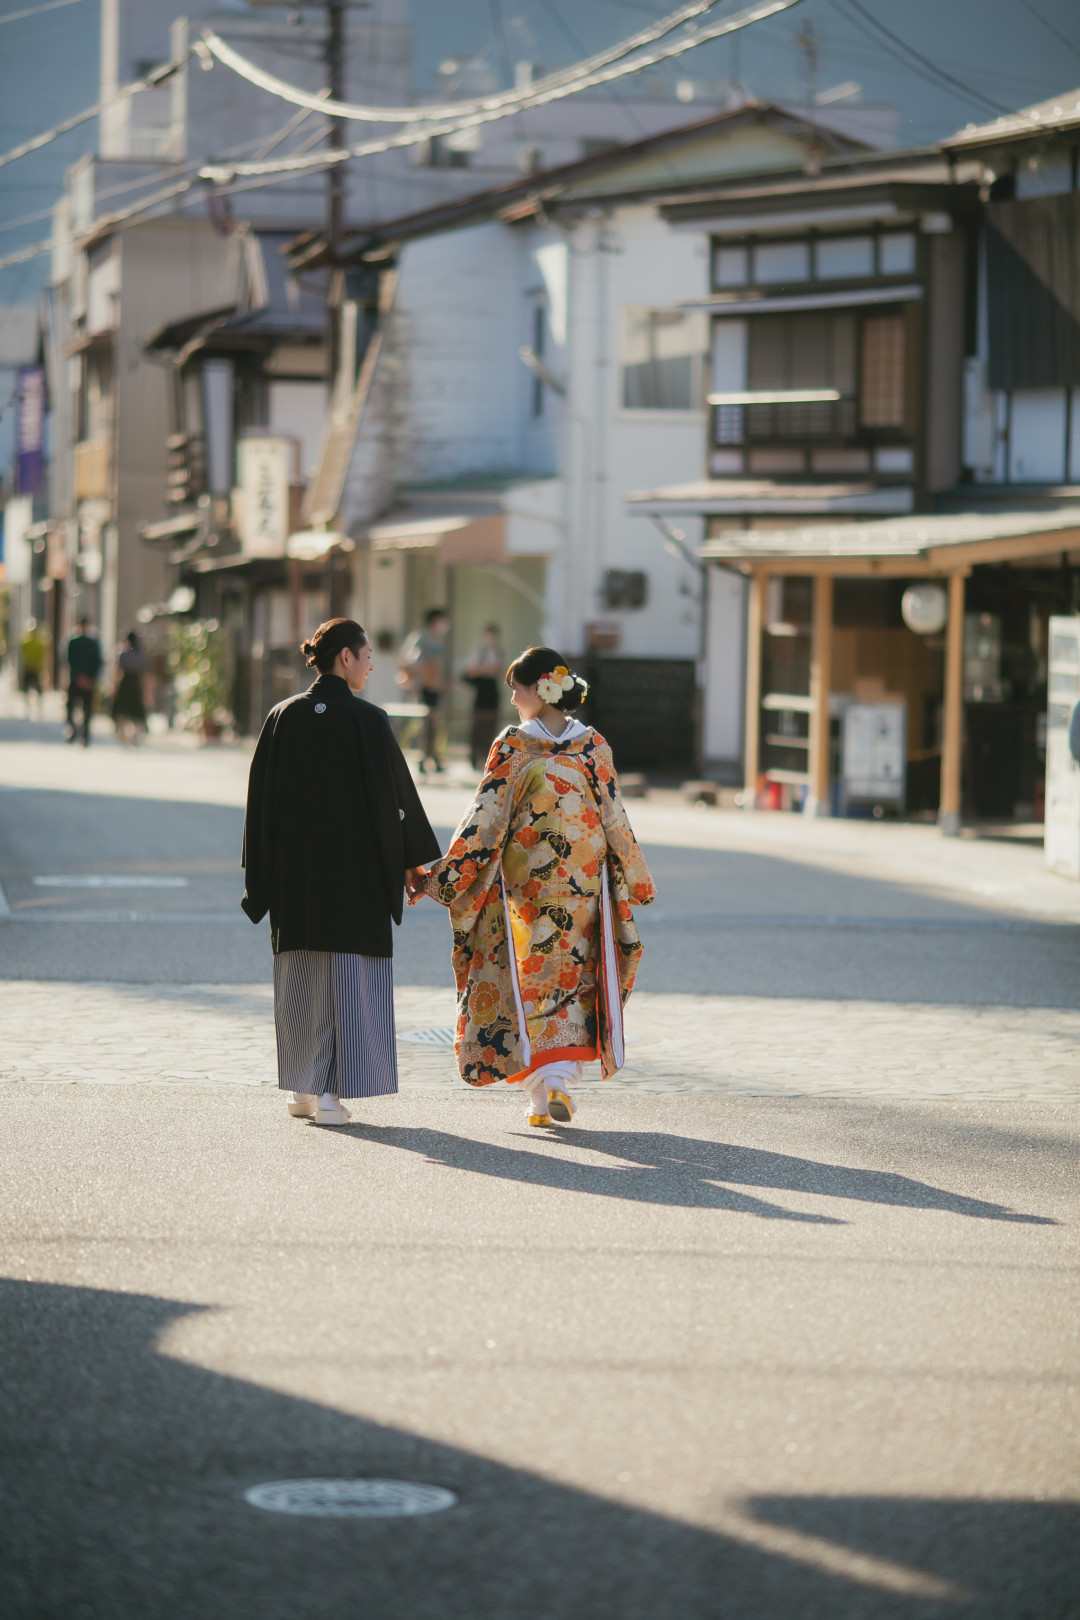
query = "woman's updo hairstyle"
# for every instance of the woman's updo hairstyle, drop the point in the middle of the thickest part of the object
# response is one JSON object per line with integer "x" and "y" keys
{"x": 535, "y": 663}
{"x": 329, "y": 640}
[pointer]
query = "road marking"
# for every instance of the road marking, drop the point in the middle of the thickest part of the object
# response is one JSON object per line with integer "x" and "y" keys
{"x": 349, "y": 1498}
{"x": 97, "y": 880}
{"x": 767, "y": 919}
{"x": 163, "y": 916}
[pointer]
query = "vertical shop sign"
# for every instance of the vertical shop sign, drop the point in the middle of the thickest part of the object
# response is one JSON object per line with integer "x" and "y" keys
{"x": 265, "y": 466}
{"x": 30, "y": 430}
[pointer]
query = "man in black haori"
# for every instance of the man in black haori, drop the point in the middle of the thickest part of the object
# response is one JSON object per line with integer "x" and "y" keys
{"x": 334, "y": 831}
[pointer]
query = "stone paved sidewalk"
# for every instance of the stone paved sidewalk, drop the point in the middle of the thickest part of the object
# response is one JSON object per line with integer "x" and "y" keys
{"x": 754, "y": 1046}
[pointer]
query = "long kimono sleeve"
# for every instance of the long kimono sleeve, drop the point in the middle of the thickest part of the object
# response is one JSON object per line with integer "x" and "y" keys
{"x": 418, "y": 840}
{"x": 462, "y": 881}
{"x": 623, "y": 847}
{"x": 257, "y": 857}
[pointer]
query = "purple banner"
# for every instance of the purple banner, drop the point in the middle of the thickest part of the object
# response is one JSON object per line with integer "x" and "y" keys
{"x": 30, "y": 430}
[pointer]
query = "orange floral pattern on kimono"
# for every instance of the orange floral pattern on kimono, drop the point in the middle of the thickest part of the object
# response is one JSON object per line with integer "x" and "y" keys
{"x": 546, "y": 830}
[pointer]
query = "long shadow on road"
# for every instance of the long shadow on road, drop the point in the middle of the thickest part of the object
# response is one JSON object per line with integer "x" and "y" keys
{"x": 659, "y": 1168}
{"x": 124, "y": 1469}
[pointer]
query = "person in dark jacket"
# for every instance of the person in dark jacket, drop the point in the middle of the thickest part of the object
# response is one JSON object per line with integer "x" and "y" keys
{"x": 84, "y": 661}
{"x": 335, "y": 830}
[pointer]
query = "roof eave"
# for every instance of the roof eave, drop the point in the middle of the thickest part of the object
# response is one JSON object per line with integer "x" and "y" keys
{"x": 549, "y": 186}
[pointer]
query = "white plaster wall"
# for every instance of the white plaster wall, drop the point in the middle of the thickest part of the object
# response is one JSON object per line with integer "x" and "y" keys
{"x": 460, "y": 327}
{"x": 631, "y": 258}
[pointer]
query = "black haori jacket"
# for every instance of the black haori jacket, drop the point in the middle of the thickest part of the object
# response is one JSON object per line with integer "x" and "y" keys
{"x": 333, "y": 822}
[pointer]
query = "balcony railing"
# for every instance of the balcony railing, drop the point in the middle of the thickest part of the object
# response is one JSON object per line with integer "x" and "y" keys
{"x": 831, "y": 421}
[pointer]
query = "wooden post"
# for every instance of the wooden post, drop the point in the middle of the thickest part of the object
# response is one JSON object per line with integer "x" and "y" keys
{"x": 817, "y": 800}
{"x": 952, "y": 738}
{"x": 755, "y": 622}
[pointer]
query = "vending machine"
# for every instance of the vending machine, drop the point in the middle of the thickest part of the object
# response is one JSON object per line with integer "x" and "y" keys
{"x": 1062, "y": 770}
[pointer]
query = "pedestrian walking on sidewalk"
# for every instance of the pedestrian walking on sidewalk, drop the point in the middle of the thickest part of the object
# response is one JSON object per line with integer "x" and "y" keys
{"x": 129, "y": 699}
{"x": 334, "y": 829}
{"x": 84, "y": 661}
{"x": 422, "y": 668}
{"x": 33, "y": 656}
{"x": 483, "y": 673}
{"x": 545, "y": 863}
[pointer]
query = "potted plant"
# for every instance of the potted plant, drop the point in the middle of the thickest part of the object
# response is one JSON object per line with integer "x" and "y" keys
{"x": 197, "y": 662}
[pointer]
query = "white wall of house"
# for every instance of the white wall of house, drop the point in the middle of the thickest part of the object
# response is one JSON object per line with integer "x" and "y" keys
{"x": 630, "y": 260}
{"x": 468, "y": 302}
{"x": 458, "y": 329}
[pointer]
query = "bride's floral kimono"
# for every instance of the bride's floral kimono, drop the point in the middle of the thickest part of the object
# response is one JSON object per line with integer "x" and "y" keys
{"x": 545, "y": 858}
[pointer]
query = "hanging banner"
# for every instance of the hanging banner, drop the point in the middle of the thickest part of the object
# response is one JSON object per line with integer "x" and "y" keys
{"x": 266, "y": 466}
{"x": 30, "y": 430}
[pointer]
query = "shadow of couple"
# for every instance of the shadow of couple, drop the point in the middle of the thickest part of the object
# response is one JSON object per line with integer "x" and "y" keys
{"x": 685, "y": 1172}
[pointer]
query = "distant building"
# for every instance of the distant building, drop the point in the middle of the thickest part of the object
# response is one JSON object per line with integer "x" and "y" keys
{"x": 122, "y": 285}
{"x": 895, "y": 390}
{"x": 547, "y": 351}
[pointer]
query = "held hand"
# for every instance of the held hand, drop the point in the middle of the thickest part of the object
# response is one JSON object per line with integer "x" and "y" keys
{"x": 414, "y": 883}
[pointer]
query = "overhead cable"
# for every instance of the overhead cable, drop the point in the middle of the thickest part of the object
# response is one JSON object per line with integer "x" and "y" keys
{"x": 35, "y": 11}
{"x": 422, "y": 131}
{"x": 22, "y": 254}
{"x": 915, "y": 62}
{"x": 452, "y": 109}
{"x": 149, "y": 82}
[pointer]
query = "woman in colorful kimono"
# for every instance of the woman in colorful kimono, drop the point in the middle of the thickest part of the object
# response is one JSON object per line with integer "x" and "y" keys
{"x": 334, "y": 831}
{"x": 539, "y": 882}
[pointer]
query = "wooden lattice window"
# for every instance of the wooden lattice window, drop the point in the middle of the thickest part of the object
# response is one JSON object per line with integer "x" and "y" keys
{"x": 881, "y": 379}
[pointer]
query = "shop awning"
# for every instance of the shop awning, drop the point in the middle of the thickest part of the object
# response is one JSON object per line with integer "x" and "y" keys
{"x": 718, "y": 496}
{"x": 171, "y": 527}
{"x": 908, "y": 545}
{"x": 724, "y": 304}
{"x": 459, "y": 537}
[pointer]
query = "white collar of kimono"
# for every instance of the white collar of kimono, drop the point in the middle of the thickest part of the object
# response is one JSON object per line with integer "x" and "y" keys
{"x": 537, "y": 728}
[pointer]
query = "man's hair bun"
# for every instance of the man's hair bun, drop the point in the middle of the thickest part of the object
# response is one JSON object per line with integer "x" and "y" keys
{"x": 330, "y": 639}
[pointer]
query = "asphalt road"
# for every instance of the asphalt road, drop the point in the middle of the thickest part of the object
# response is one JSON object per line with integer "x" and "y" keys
{"x": 700, "y": 1356}
{"x": 745, "y": 923}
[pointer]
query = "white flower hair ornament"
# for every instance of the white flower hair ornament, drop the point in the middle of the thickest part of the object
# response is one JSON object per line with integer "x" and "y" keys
{"x": 554, "y": 686}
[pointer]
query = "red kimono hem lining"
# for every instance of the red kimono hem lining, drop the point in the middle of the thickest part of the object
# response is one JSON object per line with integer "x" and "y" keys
{"x": 559, "y": 1054}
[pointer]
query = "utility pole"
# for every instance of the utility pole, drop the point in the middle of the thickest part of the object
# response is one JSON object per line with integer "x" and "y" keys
{"x": 335, "y": 81}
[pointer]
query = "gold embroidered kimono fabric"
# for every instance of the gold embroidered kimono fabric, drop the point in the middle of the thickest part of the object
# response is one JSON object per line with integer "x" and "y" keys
{"x": 539, "y": 882}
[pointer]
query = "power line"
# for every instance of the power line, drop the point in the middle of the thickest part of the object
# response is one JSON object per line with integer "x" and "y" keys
{"x": 35, "y": 11}
{"x": 918, "y": 61}
{"x": 149, "y": 82}
{"x": 538, "y": 96}
{"x": 549, "y": 7}
{"x": 212, "y": 43}
{"x": 1049, "y": 26}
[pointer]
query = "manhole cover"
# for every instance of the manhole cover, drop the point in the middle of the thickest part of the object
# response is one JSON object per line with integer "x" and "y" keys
{"x": 427, "y": 1037}
{"x": 349, "y": 1498}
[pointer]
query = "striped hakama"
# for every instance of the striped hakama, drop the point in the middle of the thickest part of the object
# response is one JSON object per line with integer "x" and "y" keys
{"x": 334, "y": 1017}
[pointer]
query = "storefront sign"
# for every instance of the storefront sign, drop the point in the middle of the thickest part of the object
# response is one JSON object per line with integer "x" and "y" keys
{"x": 18, "y": 515}
{"x": 874, "y": 753}
{"x": 30, "y": 430}
{"x": 265, "y": 468}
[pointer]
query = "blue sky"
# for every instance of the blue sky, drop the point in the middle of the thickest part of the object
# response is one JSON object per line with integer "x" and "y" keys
{"x": 1007, "y": 52}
